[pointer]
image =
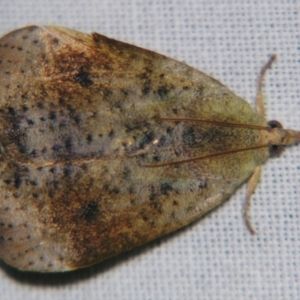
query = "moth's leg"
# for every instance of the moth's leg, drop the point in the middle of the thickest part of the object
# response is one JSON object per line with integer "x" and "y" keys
{"x": 260, "y": 105}
{"x": 251, "y": 185}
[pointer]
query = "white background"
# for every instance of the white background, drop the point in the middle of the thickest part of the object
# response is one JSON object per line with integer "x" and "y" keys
{"x": 214, "y": 258}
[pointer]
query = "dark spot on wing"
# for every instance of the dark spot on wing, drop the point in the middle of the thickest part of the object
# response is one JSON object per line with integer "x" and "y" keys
{"x": 40, "y": 105}
{"x": 90, "y": 210}
{"x": 53, "y": 170}
{"x": 67, "y": 170}
{"x": 162, "y": 141}
{"x": 30, "y": 122}
{"x": 156, "y": 158}
{"x": 83, "y": 78}
{"x": 52, "y": 115}
{"x": 146, "y": 87}
{"x": 111, "y": 133}
{"x": 11, "y": 111}
{"x": 145, "y": 139}
{"x": 126, "y": 173}
{"x": 189, "y": 137}
{"x": 163, "y": 92}
{"x": 57, "y": 148}
{"x": 34, "y": 153}
{"x": 89, "y": 138}
{"x": 165, "y": 188}
{"x": 18, "y": 179}
{"x": 69, "y": 144}
{"x": 25, "y": 108}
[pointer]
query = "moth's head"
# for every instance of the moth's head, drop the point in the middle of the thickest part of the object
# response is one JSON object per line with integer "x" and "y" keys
{"x": 280, "y": 137}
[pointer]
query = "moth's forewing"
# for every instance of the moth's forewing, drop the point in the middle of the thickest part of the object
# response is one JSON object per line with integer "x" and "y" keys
{"x": 76, "y": 132}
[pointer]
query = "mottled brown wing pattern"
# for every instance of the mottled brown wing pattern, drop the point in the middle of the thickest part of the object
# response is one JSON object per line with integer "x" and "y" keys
{"x": 77, "y": 132}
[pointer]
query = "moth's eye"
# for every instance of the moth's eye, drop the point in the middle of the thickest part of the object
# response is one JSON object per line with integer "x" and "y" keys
{"x": 274, "y": 124}
{"x": 275, "y": 150}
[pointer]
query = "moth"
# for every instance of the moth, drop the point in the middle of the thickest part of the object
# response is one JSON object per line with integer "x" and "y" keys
{"x": 105, "y": 146}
